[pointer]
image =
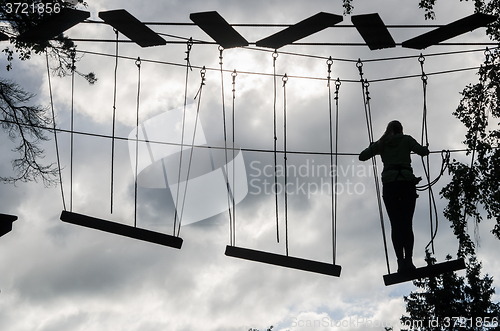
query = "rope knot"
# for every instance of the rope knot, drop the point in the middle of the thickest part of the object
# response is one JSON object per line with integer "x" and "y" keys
{"x": 188, "y": 52}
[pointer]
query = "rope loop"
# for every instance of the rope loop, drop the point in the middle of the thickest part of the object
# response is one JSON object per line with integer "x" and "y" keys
{"x": 329, "y": 62}
{"x": 359, "y": 64}
{"x": 284, "y": 79}
{"x": 202, "y": 74}
{"x": 421, "y": 59}
{"x": 275, "y": 54}
{"x": 138, "y": 62}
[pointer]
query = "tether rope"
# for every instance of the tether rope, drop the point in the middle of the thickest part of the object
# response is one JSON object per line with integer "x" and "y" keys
{"x": 55, "y": 132}
{"x": 426, "y": 162}
{"x": 138, "y": 64}
{"x": 366, "y": 100}
{"x": 225, "y": 172}
{"x": 285, "y": 80}
{"x": 114, "y": 121}
{"x": 198, "y": 95}
{"x": 72, "y": 129}
{"x": 275, "y": 56}
{"x": 333, "y": 181}
{"x": 189, "y": 46}
{"x": 233, "y": 226}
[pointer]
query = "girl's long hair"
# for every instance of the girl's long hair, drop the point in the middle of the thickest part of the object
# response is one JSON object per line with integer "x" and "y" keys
{"x": 393, "y": 128}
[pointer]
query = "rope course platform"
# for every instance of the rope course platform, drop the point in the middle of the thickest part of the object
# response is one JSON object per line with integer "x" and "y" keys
{"x": 6, "y": 223}
{"x": 427, "y": 271}
{"x": 122, "y": 229}
{"x": 284, "y": 261}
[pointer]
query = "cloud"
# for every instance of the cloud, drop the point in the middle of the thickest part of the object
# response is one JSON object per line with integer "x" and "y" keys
{"x": 59, "y": 276}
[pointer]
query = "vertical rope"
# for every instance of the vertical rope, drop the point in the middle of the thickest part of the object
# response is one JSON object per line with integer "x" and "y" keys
{"x": 275, "y": 56}
{"x": 138, "y": 64}
{"x": 425, "y": 159}
{"x": 225, "y": 173}
{"x": 73, "y": 53}
{"x": 55, "y": 131}
{"x": 335, "y": 206}
{"x": 188, "y": 67}
{"x": 233, "y": 232}
{"x": 114, "y": 122}
{"x": 329, "y": 63}
{"x": 366, "y": 101}
{"x": 285, "y": 80}
{"x": 198, "y": 94}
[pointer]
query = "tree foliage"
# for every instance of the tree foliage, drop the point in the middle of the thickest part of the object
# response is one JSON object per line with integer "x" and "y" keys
{"x": 22, "y": 121}
{"x": 449, "y": 302}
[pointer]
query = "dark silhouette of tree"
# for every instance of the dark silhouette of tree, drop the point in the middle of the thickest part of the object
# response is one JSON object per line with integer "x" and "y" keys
{"x": 449, "y": 302}
{"x": 26, "y": 123}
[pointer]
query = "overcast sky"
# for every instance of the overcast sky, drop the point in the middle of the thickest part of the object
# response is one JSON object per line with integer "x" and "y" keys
{"x": 58, "y": 276}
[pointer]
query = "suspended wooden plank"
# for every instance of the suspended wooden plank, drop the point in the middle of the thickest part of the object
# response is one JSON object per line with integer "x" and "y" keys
{"x": 3, "y": 36}
{"x": 121, "y": 229}
{"x": 427, "y": 271}
{"x": 219, "y": 29}
{"x": 131, "y": 27}
{"x": 373, "y": 30}
{"x": 6, "y": 223}
{"x": 54, "y": 25}
{"x": 300, "y": 30}
{"x": 449, "y": 31}
{"x": 284, "y": 261}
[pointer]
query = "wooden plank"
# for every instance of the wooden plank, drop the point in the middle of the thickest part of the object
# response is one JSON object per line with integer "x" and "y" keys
{"x": 284, "y": 261}
{"x": 6, "y": 223}
{"x": 373, "y": 30}
{"x": 122, "y": 229}
{"x": 449, "y": 31}
{"x": 3, "y": 36}
{"x": 54, "y": 25}
{"x": 300, "y": 30}
{"x": 219, "y": 29}
{"x": 131, "y": 27}
{"x": 427, "y": 271}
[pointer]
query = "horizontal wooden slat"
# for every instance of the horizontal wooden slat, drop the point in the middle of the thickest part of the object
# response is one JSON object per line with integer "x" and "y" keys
{"x": 427, "y": 271}
{"x": 284, "y": 261}
{"x": 121, "y": 229}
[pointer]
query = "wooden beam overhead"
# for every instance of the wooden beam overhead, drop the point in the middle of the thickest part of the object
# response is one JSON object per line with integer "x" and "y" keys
{"x": 449, "y": 31}
{"x": 373, "y": 30}
{"x": 6, "y": 223}
{"x": 219, "y": 29}
{"x": 54, "y": 25}
{"x": 300, "y": 30}
{"x": 132, "y": 28}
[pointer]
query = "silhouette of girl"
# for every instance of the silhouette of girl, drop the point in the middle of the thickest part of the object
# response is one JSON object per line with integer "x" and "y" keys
{"x": 399, "y": 191}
